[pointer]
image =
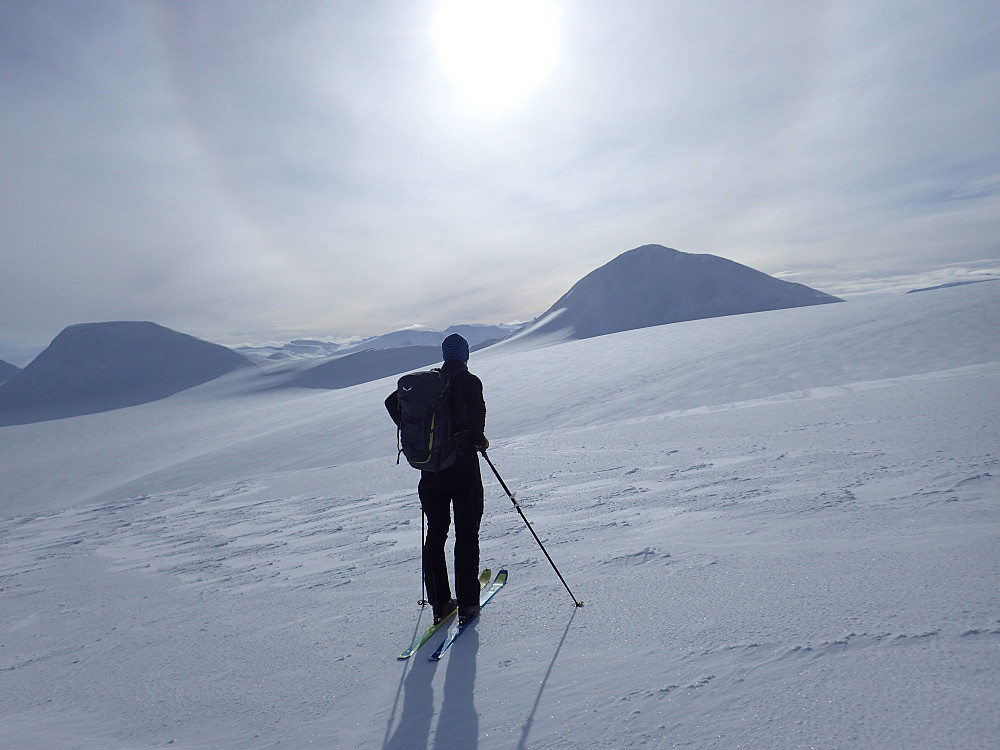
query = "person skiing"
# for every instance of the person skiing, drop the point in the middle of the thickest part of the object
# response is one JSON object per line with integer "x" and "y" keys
{"x": 457, "y": 488}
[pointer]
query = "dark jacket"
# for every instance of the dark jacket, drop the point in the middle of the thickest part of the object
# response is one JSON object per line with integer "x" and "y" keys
{"x": 468, "y": 408}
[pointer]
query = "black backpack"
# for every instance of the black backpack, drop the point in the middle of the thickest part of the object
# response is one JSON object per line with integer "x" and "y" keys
{"x": 425, "y": 434}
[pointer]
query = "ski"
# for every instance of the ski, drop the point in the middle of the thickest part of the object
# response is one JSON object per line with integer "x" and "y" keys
{"x": 484, "y": 579}
{"x": 456, "y": 630}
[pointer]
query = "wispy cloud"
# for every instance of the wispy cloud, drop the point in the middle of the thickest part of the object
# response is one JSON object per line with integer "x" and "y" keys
{"x": 253, "y": 167}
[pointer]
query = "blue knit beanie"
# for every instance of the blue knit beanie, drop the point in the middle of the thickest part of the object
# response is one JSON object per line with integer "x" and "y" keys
{"x": 455, "y": 347}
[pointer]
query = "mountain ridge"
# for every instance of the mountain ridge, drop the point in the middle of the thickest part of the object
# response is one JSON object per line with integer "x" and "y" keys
{"x": 95, "y": 367}
{"x": 476, "y": 334}
{"x": 102, "y": 366}
{"x": 657, "y": 285}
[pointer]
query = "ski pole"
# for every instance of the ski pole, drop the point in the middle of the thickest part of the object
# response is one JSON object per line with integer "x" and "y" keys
{"x": 510, "y": 494}
{"x": 423, "y": 581}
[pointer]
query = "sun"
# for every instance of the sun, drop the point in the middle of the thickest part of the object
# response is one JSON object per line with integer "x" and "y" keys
{"x": 496, "y": 52}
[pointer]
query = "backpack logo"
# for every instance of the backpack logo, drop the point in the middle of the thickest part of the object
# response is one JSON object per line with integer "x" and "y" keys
{"x": 425, "y": 432}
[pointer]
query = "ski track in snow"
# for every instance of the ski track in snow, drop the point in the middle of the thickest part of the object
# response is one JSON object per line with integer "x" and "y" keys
{"x": 811, "y": 568}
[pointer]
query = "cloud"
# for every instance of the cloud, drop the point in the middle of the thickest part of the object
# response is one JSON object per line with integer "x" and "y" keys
{"x": 267, "y": 168}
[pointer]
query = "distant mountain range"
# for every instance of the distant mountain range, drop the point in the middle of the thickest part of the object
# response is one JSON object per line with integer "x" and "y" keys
{"x": 654, "y": 285}
{"x": 101, "y": 366}
{"x": 476, "y": 335}
{"x": 395, "y": 354}
{"x": 365, "y": 366}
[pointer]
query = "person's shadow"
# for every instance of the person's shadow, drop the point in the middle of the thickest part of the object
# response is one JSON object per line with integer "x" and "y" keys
{"x": 526, "y": 729}
{"x": 458, "y": 724}
{"x": 414, "y": 729}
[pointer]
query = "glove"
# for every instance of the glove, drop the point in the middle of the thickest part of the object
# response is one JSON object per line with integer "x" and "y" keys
{"x": 482, "y": 445}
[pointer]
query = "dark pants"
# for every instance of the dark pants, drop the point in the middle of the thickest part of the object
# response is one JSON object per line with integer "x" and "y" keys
{"x": 459, "y": 487}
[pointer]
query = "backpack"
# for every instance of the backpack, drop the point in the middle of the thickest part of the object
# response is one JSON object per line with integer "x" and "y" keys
{"x": 425, "y": 434}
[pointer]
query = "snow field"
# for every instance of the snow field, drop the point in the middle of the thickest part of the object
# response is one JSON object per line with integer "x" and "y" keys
{"x": 784, "y": 527}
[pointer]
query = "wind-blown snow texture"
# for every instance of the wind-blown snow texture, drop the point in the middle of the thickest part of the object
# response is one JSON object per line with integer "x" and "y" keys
{"x": 784, "y": 527}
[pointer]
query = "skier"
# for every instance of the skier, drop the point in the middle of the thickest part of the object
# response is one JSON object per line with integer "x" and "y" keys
{"x": 458, "y": 487}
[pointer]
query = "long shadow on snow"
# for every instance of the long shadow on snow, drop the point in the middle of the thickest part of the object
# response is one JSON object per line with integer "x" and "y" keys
{"x": 414, "y": 729}
{"x": 458, "y": 722}
{"x": 526, "y": 729}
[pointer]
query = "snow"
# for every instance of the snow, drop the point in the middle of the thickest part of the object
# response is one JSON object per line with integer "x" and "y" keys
{"x": 94, "y": 367}
{"x": 477, "y": 335}
{"x": 362, "y": 367}
{"x": 654, "y": 285}
{"x": 7, "y": 370}
{"x": 784, "y": 527}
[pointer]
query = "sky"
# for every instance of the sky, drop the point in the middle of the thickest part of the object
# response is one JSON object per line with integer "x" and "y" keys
{"x": 250, "y": 171}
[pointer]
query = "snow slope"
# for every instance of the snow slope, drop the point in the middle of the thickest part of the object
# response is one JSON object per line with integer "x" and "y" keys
{"x": 477, "y": 335}
{"x": 7, "y": 370}
{"x": 365, "y": 366}
{"x": 654, "y": 285}
{"x": 95, "y": 367}
{"x": 784, "y": 527}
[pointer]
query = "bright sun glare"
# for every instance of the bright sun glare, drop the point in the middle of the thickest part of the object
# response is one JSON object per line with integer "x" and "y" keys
{"x": 496, "y": 51}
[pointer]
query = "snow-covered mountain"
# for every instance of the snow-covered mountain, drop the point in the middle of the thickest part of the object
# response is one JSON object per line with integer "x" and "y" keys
{"x": 364, "y": 366}
{"x": 7, "y": 370}
{"x": 94, "y": 367}
{"x": 393, "y": 356}
{"x": 294, "y": 349}
{"x": 137, "y": 362}
{"x": 477, "y": 336}
{"x": 784, "y": 527}
{"x": 654, "y": 285}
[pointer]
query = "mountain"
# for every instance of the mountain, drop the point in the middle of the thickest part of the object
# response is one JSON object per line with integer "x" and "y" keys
{"x": 295, "y": 349}
{"x": 477, "y": 336}
{"x": 7, "y": 370}
{"x": 97, "y": 367}
{"x": 362, "y": 367}
{"x": 345, "y": 365}
{"x": 654, "y": 285}
{"x": 396, "y": 355}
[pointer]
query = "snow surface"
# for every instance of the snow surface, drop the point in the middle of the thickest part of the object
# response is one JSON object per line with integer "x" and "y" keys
{"x": 784, "y": 526}
{"x": 364, "y": 367}
{"x": 654, "y": 285}
{"x": 477, "y": 335}
{"x": 95, "y": 367}
{"x": 7, "y": 370}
